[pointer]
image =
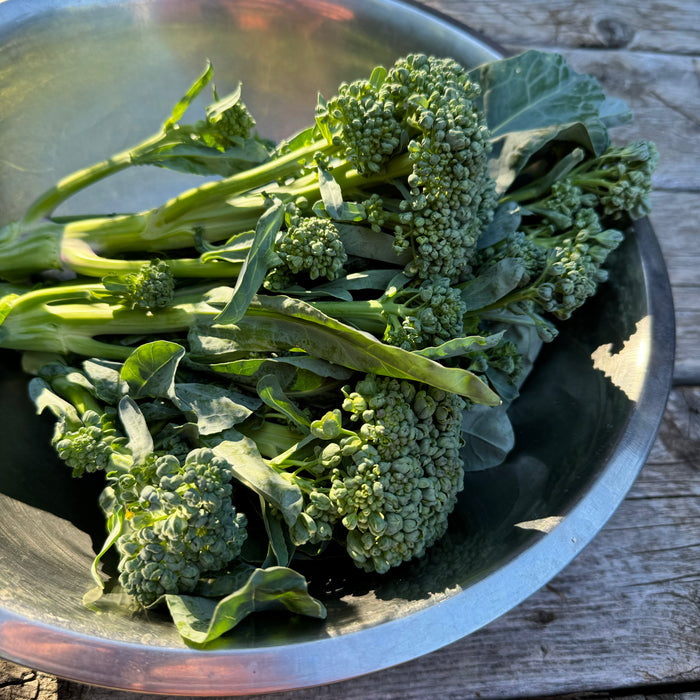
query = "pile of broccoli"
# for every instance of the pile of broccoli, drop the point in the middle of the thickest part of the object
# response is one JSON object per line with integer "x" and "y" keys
{"x": 286, "y": 353}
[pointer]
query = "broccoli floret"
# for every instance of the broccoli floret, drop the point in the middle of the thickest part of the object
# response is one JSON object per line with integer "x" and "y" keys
{"x": 371, "y": 129}
{"x": 385, "y": 474}
{"x": 152, "y": 287}
{"x": 228, "y": 122}
{"x": 180, "y": 524}
{"x": 425, "y": 109}
{"x": 85, "y": 434}
{"x": 311, "y": 248}
{"x": 410, "y": 316}
{"x": 621, "y": 178}
{"x": 89, "y": 447}
{"x": 452, "y": 196}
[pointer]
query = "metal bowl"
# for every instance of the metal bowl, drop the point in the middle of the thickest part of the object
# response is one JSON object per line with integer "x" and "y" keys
{"x": 81, "y": 79}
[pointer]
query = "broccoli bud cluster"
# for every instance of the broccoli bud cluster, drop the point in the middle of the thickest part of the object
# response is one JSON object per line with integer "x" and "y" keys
{"x": 89, "y": 447}
{"x": 428, "y": 315}
{"x": 180, "y": 523}
{"x": 151, "y": 287}
{"x": 423, "y": 109}
{"x": 401, "y": 480}
{"x": 310, "y": 248}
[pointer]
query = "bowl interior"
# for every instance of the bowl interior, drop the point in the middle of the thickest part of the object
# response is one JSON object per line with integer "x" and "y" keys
{"x": 81, "y": 80}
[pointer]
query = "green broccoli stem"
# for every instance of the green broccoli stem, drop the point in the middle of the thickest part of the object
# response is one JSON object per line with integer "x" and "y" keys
{"x": 370, "y": 315}
{"x": 80, "y": 258}
{"x": 46, "y": 203}
{"x": 66, "y": 319}
{"x": 216, "y": 210}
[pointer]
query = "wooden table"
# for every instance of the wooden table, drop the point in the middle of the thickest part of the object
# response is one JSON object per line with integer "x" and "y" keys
{"x": 623, "y": 620}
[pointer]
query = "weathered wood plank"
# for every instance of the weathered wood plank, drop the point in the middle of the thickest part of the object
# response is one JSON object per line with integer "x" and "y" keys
{"x": 649, "y": 26}
{"x": 624, "y": 614}
{"x": 677, "y": 233}
{"x": 20, "y": 683}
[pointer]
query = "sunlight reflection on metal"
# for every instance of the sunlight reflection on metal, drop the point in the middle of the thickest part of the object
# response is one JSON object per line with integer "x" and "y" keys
{"x": 541, "y": 524}
{"x": 626, "y": 368}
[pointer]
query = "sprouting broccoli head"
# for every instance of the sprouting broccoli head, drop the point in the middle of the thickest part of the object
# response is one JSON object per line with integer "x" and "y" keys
{"x": 151, "y": 287}
{"x": 89, "y": 446}
{"x": 310, "y": 249}
{"x": 228, "y": 121}
{"x": 426, "y": 109}
{"x": 621, "y": 178}
{"x": 180, "y": 523}
{"x": 424, "y": 316}
{"x": 386, "y": 474}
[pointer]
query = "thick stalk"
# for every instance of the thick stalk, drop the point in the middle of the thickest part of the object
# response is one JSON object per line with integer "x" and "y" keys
{"x": 80, "y": 258}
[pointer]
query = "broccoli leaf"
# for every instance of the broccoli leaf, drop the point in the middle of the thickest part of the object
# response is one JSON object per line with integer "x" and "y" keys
{"x": 535, "y": 90}
{"x": 488, "y": 437}
{"x": 456, "y": 347}
{"x": 186, "y": 100}
{"x": 248, "y": 466}
{"x": 115, "y": 525}
{"x": 492, "y": 284}
{"x": 271, "y": 392}
{"x": 136, "y": 429}
{"x": 280, "y": 549}
{"x": 105, "y": 377}
{"x": 282, "y": 323}
{"x": 536, "y": 97}
{"x": 150, "y": 369}
{"x": 257, "y": 263}
{"x": 41, "y": 395}
{"x": 212, "y": 407}
{"x": 200, "y": 159}
{"x": 331, "y": 193}
{"x": 201, "y": 620}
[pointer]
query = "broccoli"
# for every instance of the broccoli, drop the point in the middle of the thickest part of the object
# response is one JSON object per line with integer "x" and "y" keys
{"x": 410, "y": 315}
{"x": 85, "y": 434}
{"x": 179, "y": 523}
{"x": 311, "y": 248}
{"x": 152, "y": 286}
{"x": 176, "y": 516}
{"x": 425, "y": 157}
{"x": 383, "y": 473}
{"x": 225, "y": 131}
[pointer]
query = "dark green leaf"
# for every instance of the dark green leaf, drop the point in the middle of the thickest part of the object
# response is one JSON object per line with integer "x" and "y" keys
{"x": 201, "y": 620}
{"x": 256, "y": 265}
{"x": 150, "y": 369}
{"x": 280, "y": 550}
{"x": 213, "y": 408}
{"x": 374, "y": 245}
{"x": 488, "y": 436}
{"x": 105, "y": 376}
{"x": 199, "y": 159}
{"x": 506, "y": 221}
{"x": 271, "y": 392}
{"x": 535, "y": 90}
{"x": 492, "y": 284}
{"x": 136, "y": 429}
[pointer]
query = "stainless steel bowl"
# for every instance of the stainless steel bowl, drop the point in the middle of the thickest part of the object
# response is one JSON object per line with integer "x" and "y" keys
{"x": 80, "y": 79}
